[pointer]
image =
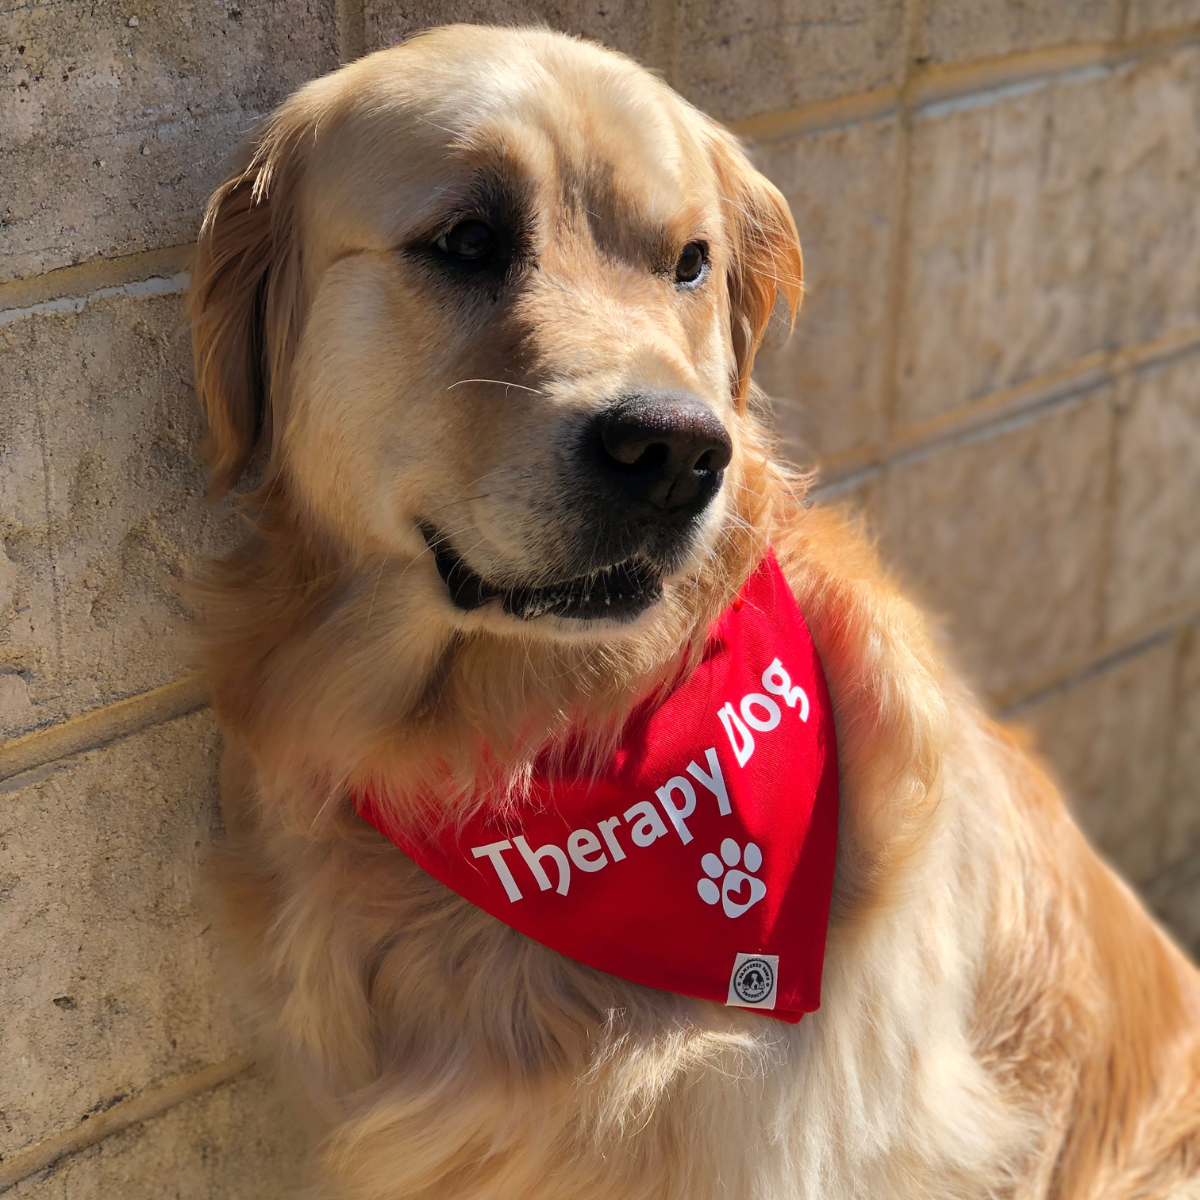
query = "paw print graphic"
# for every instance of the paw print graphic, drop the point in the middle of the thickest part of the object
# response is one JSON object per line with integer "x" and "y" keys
{"x": 739, "y": 890}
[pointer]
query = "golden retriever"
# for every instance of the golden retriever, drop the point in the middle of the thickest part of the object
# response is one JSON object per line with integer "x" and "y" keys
{"x": 438, "y": 273}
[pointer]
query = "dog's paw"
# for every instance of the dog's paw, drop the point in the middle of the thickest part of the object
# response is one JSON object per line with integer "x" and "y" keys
{"x": 739, "y": 890}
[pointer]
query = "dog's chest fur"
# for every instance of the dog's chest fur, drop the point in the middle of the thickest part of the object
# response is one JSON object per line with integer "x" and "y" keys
{"x": 463, "y": 1052}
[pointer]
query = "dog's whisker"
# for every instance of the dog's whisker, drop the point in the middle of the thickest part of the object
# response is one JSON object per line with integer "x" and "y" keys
{"x": 374, "y": 591}
{"x": 499, "y": 383}
{"x": 331, "y": 797}
{"x": 469, "y": 499}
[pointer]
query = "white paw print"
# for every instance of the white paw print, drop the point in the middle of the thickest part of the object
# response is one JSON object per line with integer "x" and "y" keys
{"x": 733, "y": 894}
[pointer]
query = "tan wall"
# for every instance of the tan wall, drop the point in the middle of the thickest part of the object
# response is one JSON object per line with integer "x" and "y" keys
{"x": 999, "y": 359}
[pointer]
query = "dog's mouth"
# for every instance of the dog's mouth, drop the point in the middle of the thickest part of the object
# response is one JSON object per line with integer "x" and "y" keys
{"x": 619, "y": 592}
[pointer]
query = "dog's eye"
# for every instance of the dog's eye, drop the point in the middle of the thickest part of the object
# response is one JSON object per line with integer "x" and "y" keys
{"x": 692, "y": 261}
{"x": 469, "y": 241}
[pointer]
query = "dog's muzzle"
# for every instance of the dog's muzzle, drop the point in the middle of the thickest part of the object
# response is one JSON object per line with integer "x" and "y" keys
{"x": 632, "y": 492}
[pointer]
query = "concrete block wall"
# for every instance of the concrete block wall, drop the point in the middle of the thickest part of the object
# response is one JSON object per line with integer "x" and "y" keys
{"x": 998, "y": 362}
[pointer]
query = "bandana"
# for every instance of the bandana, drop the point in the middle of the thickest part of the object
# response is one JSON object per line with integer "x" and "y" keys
{"x": 700, "y": 859}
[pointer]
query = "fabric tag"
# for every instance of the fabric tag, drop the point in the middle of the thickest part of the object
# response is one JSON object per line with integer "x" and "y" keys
{"x": 753, "y": 981}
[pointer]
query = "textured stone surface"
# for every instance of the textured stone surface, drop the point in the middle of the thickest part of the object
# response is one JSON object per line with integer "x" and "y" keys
{"x": 1003, "y": 535}
{"x": 100, "y": 506}
{"x": 738, "y": 58}
{"x": 631, "y": 26}
{"x": 827, "y": 382}
{"x": 1107, "y": 737}
{"x": 954, "y": 31}
{"x": 1125, "y": 741}
{"x": 1156, "y": 521}
{"x": 1027, "y": 205}
{"x": 108, "y": 979}
{"x": 113, "y": 194}
{"x": 235, "y": 1143}
{"x": 1153, "y": 240}
{"x": 118, "y": 115}
{"x": 1004, "y": 274}
{"x": 1156, "y": 16}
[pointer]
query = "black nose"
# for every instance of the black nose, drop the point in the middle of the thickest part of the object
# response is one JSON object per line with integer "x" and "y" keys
{"x": 662, "y": 453}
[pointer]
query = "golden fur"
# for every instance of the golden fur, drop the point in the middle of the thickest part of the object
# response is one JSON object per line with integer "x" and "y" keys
{"x": 999, "y": 1018}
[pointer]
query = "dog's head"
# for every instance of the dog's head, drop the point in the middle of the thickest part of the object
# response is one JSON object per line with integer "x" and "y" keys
{"x": 489, "y": 302}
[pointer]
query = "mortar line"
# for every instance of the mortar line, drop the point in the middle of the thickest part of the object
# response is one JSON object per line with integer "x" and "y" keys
{"x": 1119, "y": 405}
{"x": 51, "y": 534}
{"x": 96, "y": 728}
{"x": 156, "y": 285}
{"x": 970, "y": 428}
{"x": 817, "y": 116}
{"x": 665, "y": 25}
{"x": 944, "y": 83}
{"x": 938, "y": 83}
{"x": 151, "y": 1103}
{"x": 94, "y": 274}
{"x": 990, "y": 413}
{"x": 915, "y": 14}
{"x": 350, "y": 21}
{"x": 1122, "y": 20}
{"x": 901, "y": 220}
{"x": 1184, "y": 638}
{"x": 1108, "y": 654}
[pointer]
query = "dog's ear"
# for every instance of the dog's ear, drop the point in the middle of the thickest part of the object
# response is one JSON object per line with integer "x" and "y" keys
{"x": 246, "y": 301}
{"x": 766, "y": 261}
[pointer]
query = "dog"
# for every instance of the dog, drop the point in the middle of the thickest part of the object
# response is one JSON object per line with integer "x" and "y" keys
{"x": 457, "y": 294}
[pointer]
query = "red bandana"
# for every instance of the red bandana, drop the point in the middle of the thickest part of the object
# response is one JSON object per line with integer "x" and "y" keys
{"x": 701, "y": 860}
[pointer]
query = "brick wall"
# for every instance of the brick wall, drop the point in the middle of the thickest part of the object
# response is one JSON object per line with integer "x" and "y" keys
{"x": 999, "y": 362}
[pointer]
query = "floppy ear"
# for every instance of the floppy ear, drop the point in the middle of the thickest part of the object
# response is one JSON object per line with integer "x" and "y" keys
{"x": 246, "y": 304}
{"x": 765, "y": 260}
